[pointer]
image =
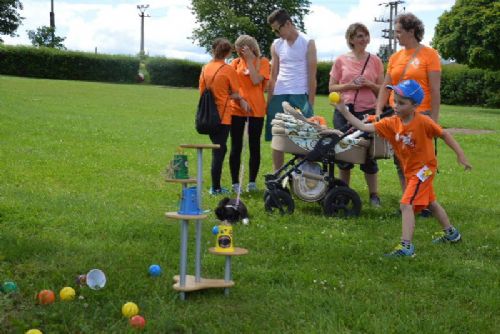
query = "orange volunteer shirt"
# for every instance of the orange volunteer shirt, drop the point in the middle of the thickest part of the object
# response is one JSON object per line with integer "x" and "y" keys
{"x": 413, "y": 143}
{"x": 427, "y": 60}
{"x": 253, "y": 94}
{"x": 224, "y": 84}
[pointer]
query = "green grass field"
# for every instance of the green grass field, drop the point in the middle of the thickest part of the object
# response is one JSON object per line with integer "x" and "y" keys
{"x": 82, "y": 187}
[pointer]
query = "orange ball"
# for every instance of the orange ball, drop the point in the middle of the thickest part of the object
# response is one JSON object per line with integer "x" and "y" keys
{"x": 46, "y": 297}
{"x": 137, "y": 322}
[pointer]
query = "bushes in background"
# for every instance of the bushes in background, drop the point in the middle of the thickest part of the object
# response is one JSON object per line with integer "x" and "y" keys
{"x": 68, "y": 65}
{"x": 461, "y": 85}
{"x": 173, "y": 72}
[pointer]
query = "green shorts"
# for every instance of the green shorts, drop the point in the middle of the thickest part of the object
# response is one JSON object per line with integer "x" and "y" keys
{"x": 300, "y": 101}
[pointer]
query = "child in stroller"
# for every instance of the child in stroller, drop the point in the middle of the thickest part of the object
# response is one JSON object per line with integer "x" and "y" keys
{"x": 311, "y": 171}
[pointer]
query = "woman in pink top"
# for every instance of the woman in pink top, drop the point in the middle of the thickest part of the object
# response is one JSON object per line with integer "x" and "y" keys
{"x": 358, "y": 75}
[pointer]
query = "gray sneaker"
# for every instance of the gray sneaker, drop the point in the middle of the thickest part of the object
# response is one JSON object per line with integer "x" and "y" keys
{"x": 375, "y": 201}
{"x": 442, "y": 237}
{"x": 251, "y": 187}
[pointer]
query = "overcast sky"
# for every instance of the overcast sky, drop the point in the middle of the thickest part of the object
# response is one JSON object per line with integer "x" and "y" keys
{"x": 114, "y": 26}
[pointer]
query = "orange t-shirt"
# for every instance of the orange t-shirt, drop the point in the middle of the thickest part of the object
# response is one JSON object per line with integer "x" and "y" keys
{"x": 412, "y": 142}
{"x": 225, "y": 83}
{"x": 253, "y": 94}
{"x": 427, "y": 60}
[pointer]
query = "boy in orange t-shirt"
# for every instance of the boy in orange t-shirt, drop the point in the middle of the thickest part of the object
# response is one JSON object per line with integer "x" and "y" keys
{"x": 411, "y": 136}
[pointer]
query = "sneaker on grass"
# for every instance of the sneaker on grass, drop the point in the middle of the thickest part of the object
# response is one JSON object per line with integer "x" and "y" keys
{"x": 252, "y": 186}
{"x": 443, "y": 237}
{"x": 400, "y": 251}
{"x": 375, "y": 201}
{"x": 236, "y": 188}
{"x": 216, "y": 192}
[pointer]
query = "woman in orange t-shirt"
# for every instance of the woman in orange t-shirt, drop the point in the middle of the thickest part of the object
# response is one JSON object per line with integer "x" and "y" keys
{"x": 253, "y": 73}
{"x": 222, "y": 81}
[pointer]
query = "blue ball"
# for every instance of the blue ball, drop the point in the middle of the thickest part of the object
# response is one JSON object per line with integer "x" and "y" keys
{"x": 154, "y": 270}
{"x": 215, "y": 230}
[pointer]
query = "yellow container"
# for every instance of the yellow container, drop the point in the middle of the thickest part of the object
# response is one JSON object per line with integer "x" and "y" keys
{"x": 225, "y": 241}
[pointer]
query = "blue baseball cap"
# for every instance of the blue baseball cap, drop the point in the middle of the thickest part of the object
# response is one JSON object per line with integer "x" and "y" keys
{"x": 409, "y": 89}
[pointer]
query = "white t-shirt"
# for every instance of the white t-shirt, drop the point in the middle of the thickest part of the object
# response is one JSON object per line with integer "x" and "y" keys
{"x": 293, "y": 75}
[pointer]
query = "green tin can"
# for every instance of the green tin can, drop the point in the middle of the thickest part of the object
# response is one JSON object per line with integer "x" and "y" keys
{"x": 180, "y": 166}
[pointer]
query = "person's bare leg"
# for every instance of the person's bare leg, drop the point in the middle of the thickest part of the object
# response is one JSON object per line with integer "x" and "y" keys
{"x": 345, "y": 175}
{"x": 278, "y": 159}
{"x": 408, "y": 221}
{"x": 372, "y": 182}
{"x": 440, "y": 214}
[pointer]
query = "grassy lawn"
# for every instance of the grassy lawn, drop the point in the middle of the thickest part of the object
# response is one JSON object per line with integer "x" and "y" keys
{"x": 81, "y": 187}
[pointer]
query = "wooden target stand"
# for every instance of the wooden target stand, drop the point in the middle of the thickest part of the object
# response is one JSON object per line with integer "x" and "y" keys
{"x": 188, "y": 283}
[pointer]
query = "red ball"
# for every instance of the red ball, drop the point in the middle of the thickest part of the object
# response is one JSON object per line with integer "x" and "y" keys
{"x": 137, "y": 322}
{"x": 46, "y": 297}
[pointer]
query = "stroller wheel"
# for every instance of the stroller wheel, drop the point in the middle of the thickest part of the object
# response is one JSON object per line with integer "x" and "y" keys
{"x": 284, "y": 202}
{"x": 342, "y": 202}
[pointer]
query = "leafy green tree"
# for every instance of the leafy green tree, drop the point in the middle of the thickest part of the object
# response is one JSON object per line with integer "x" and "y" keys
{"x": 9, "y": 17}
{"x": 470, "y": 33}
{"x": 45, "y": 36}
{"x": 231, "y": 18}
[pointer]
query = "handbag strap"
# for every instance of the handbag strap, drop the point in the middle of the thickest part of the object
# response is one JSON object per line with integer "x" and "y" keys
{"x": 409, "y": 62}
{"x": 362, "y": 71}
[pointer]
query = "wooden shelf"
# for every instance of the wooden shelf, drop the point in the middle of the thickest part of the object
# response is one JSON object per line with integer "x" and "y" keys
{"x": 175, "y": 215}
{"x": 205, "y": 283}
{"x": 181, "y": 180}
{"x": 237, "y": 251}
{"x": 200, "y": 146}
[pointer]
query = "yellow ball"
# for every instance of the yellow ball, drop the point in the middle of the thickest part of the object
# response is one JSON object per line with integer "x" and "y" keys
{"x": 130, "y": 309}
{"x": 67, "y": 293}
{"x": 34, "y": 331}
{"x": 334, "y": 97}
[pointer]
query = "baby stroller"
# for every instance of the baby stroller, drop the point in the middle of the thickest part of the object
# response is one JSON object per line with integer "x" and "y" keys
{"x": 310, "y": 173}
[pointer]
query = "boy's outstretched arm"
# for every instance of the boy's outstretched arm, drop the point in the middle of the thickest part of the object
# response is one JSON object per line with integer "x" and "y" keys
{"x": 455, "y": 146}
{"x": 366, "y": 127}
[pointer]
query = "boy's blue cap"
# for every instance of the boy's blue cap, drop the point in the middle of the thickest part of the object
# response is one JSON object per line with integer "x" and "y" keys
{"x": 409, "y": 89}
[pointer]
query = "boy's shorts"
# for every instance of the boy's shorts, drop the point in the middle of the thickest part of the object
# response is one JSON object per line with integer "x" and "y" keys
{"x": 300, "y": 101}
{"x": 419, "y": 194}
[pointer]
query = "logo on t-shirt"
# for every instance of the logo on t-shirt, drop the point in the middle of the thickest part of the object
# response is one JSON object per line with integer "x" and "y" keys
{"x": 415, "y": 62}
{"x": 405, "y": 139}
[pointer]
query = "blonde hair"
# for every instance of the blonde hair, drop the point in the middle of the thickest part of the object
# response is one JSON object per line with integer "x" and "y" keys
{"x": 352, "y": 30}
{"x": 246, "y": 40}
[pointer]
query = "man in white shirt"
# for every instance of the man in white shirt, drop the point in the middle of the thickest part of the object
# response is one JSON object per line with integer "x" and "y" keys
{"x": 293, "y": 73}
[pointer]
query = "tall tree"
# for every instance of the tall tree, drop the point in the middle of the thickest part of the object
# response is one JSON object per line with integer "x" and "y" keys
{"x": 470, "y": 33}
{"x": 9, "y": 17}
{"x": 231, "y": 18}
{"x": 45, "y": 36}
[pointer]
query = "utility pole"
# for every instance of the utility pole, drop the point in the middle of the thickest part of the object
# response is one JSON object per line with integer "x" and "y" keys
{"x": 142, "y": 10}
{"x": 52, "y": 20}
{"x": 389, "y": 49}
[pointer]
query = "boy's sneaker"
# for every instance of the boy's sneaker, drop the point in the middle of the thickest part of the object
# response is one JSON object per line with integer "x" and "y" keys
{"x": 252, "y": 186}
{"x": 236, "y": 188}
{"x": 443, "y": 237}
{"x": 400, "y": 251}
{"x": 375, "y": 201}
{"x": 220, "y": 191}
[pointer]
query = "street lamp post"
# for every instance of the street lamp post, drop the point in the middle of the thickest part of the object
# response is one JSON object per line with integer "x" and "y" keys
{"x": 142, "y": 10}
